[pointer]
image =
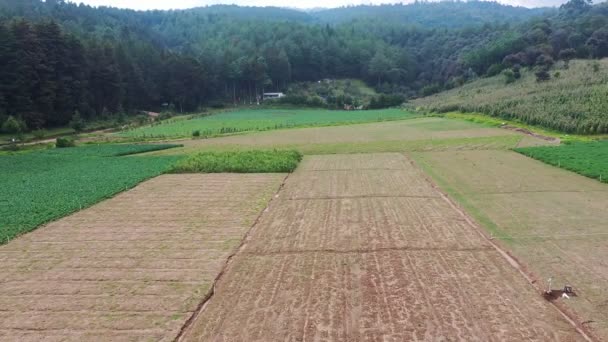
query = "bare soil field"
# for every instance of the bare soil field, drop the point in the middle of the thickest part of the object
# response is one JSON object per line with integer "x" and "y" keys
{"x": 134, "y": 267}
{"x": 414, "y": 134}
{"x": 371, "y": 255}
{"x": 555, "y": 221}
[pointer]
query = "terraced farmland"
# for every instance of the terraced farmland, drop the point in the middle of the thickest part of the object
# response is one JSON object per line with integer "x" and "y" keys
{"x": 399, "y": 263}
{"x": 133, "y": 268}
{"x": 552, "y": 219}
{"x": 41, "y": 186}
{"x": 352, "y": 247}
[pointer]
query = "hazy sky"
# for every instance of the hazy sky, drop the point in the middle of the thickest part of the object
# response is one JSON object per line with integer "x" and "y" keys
{"x": 175, "y": 4}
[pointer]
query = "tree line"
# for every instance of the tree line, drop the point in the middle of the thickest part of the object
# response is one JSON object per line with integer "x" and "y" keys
{"x": 59, "y": 60}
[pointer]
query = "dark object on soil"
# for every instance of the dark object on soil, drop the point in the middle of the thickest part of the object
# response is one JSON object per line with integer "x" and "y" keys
{"x": 556, "y": 294}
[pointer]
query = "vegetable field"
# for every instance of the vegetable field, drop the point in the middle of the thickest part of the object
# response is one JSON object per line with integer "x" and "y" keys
{"x": 586, "y": 158}
{"x": 262, "y": 120}
{"x": 41, "y": 186}
{"x": 240, "y": 162}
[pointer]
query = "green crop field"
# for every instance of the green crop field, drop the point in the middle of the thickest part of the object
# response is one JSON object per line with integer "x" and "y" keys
{"x": 586, "y": 158}
{"x": 574, "y": 102}
{"x": 262, "y": 120}
{"x": 41, "y": 186}
{"x": 240, "y": 162}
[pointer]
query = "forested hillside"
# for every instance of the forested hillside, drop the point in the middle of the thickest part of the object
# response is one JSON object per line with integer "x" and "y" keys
{"x": 58, "y": 58}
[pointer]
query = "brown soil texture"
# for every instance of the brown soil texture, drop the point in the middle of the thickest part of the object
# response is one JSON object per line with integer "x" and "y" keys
{"x": 555, "y": 221}
{"x": 363, "y": 254}
{"x": 132, "y": 268}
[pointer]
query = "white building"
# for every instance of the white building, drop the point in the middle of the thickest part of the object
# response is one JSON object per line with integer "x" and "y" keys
{"x": 270, "y": 96}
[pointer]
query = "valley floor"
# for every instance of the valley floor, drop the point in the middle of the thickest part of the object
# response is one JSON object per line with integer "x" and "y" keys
{"x": 361, "y": 248}
{"x": 364, "y": 246}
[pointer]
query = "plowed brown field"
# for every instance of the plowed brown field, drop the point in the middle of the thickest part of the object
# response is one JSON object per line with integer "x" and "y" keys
{"x": 370, "y": 251}
{"x": 132, "y": 268}
{"x": 555, "y": 221}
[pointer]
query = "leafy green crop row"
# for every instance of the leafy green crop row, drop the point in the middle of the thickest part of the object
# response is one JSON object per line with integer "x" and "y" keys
{"x": 586, "y": 158}
{"x": 239, "y": 162}
{"x": 262, "y": 120}
{"x": 41, "y": 186}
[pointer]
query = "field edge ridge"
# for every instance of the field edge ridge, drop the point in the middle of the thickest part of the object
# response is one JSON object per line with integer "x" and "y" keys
{"x": 209, "y": 296}
{"x": 532, "y": 279}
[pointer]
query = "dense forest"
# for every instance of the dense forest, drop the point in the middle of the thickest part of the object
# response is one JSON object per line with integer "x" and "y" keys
{"x": 59, "y": 60}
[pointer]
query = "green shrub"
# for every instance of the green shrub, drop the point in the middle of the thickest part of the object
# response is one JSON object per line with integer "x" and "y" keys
{"x": 239, "y": 162}
{"x": 77, "y": 123}
{"x": 165, "y": 115}
{"x": 196, "y": 134}
{"x": 13, "y": 125}
{"x": 63, "y": 142}
{"x": 386, "y": 101}
{"x": 430, "y": 89}
{"x": 495, "y": 69}
{"x": 39, "y": 134}
{"x": 542, "y": 75}
{"x": 509, "y": 76}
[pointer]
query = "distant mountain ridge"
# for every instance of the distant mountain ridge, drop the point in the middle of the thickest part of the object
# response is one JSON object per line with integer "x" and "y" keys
{"x": 448, "y": 14}
{"x": 451, "y": 14}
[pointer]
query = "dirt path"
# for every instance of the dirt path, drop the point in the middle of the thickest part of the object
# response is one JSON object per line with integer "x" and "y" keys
{"x": 132, "y": 268}
{"x": 364, "y": 248}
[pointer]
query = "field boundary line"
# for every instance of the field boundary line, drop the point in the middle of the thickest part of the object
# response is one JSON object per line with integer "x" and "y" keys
{"x": 358, "y": 196}
{"x": 512, "y": 260}
{"x": 350, "y": 170}
{"x": 548, "y": 237}
{"x": 371, "y": 250}
{"x": 537, "y": 192}
{"x": 207, "y": 298}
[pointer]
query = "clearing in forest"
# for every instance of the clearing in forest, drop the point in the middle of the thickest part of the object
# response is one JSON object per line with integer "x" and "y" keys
{"x": 552, "y": 219}
{"x": 387, "y": 259}
{"x": 134, "y": 267}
